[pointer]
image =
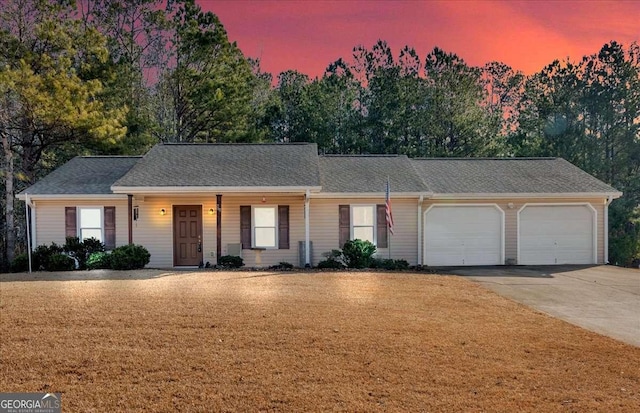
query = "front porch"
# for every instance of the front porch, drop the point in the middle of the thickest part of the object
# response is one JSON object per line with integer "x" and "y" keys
{"x": 220, "y": 229}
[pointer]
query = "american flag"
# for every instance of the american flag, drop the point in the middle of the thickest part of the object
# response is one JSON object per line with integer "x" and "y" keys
{"x": 387, "y": 208}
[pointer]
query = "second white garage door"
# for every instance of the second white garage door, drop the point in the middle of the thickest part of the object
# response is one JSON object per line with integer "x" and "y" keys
{"x": 556, "y": 234}
{"x": 463, "y": 235}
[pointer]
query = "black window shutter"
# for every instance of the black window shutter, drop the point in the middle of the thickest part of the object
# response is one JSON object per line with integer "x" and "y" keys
{"x": 245, "y": 226}
{"x": 345, "y": 223}
{"x": 283, "y": 227}
{"x": 70, "y": 223}
{"x": 109, "y": 227}
{"x": 381, "y": 214}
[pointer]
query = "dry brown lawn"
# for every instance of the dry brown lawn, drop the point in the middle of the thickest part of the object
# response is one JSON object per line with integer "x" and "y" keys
{"x": 215, "y": 341}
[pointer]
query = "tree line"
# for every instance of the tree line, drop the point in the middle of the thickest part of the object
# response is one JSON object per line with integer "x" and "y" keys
{"x": 116, "y": 77}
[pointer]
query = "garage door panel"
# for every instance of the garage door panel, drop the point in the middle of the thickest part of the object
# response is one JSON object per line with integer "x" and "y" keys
{"x": 581, "y": 241}
{"x": 574, "y": 257}
{"x": 483, "y": 257}
{"x": 556, "y": 234}
{"x": 444, "y": 257}
{"x": 463, "y": 235}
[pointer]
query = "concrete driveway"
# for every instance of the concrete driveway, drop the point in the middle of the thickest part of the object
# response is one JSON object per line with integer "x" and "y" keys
{"x": 604, "y": 299}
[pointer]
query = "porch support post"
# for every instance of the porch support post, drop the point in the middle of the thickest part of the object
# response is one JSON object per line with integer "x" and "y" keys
{"x": 28, "y": 209}
{"x": 218, "y": 227}
{"x": 130, "y": 217}
{"x": 307, "y": 244}
{"x": 34, "y": 233}
{"x": 420, "y": 229}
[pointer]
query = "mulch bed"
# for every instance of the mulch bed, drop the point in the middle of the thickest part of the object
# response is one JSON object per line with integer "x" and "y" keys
{"x": 258, "y": 341}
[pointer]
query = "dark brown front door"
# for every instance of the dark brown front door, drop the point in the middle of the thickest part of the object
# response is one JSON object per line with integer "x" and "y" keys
{"x": 187, "y": 235}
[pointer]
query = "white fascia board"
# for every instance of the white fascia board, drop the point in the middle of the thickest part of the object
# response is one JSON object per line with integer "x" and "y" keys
{"x": 149, "y": 190}
{"x": 54, "y": 197}
{"x": 580, "y": 195}
{"x": 381, "y": 194}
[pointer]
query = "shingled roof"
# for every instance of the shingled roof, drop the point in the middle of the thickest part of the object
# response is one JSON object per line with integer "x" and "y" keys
{"x": 282, "y": 167}
{"x": 507, "y": 176}
{"x": 225, "y": 165}
{"x": 84, "y": 175}
{"x": 368, "y": 173}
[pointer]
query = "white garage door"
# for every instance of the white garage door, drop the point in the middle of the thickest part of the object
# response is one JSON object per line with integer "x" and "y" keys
{"x": 557, "y": 234}
{"x": 463, "y": 235}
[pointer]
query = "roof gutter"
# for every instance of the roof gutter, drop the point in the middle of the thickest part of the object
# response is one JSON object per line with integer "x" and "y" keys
{"x": 381, "y": 194}
{"x": 558, "y": 195}
{"x": 27, "y": 199}
{"x": 54, "y": 197}
{"x": 205, "y": 189}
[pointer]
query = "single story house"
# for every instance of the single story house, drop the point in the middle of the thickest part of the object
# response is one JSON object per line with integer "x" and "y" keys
{"x": 192, "y": 203}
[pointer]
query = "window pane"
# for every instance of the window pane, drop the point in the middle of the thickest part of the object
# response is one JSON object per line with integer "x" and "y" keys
{"x": 363, "y": 233}
{"x": 91, "y": 233}
{"x": 264, "y": 216}
{"x": 362, "y": 215}
{"x": 265, "y": 237}
{"x": 90, "y": 218}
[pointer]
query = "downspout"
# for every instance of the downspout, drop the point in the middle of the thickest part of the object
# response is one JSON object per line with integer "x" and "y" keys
{"x": 420, "y": 229}
{"x": 606, "y": 229}
{"x": 307, "y": 246}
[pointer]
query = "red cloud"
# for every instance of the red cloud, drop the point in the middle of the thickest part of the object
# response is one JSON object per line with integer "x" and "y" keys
{"x": 308, "y": 35}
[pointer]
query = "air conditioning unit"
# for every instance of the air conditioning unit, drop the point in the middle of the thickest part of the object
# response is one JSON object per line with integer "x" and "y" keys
{"x": 234, "y": 249}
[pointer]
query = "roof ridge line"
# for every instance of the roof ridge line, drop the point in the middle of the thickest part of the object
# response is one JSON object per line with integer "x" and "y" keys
{"x": 364, "y": 155}
{"x": 236, "y": 143}
{"x": 523, "y": 158}
{"x": 109, "y": 156}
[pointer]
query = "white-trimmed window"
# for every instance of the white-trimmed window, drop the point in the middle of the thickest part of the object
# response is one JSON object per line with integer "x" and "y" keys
{"x": 90, "y": 224}
{"x": 265, "y": 226}
{"x": 363, "y": 222}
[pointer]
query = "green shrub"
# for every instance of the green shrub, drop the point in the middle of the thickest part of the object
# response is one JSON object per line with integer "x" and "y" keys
{"x": 129, "y": 257}
{"x": 42, "y": 255}
{"x": 81, "y": 250}
{"x": 20, "y": 263}
{"x": 401, "y": 264}
{"x": 99, "y": 260}
{"x": 624, "y": 246}
{"x": 333, "y": 260}
{"x": 61, "y": 262}
{"x": 286, "y": 265}
{"x": 330, "y": 263}
{"x": 231, "y": 261}
{"x": 389, "y": 264}
{"x": 624, "y": 233}
{"x": 282, "y": 266}
{"x": 335, "y": 255}
{"x": 357, "y": 253}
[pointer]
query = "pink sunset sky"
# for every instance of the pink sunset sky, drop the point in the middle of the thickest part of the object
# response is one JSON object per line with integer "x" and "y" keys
{"x": 526, "y": 35}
